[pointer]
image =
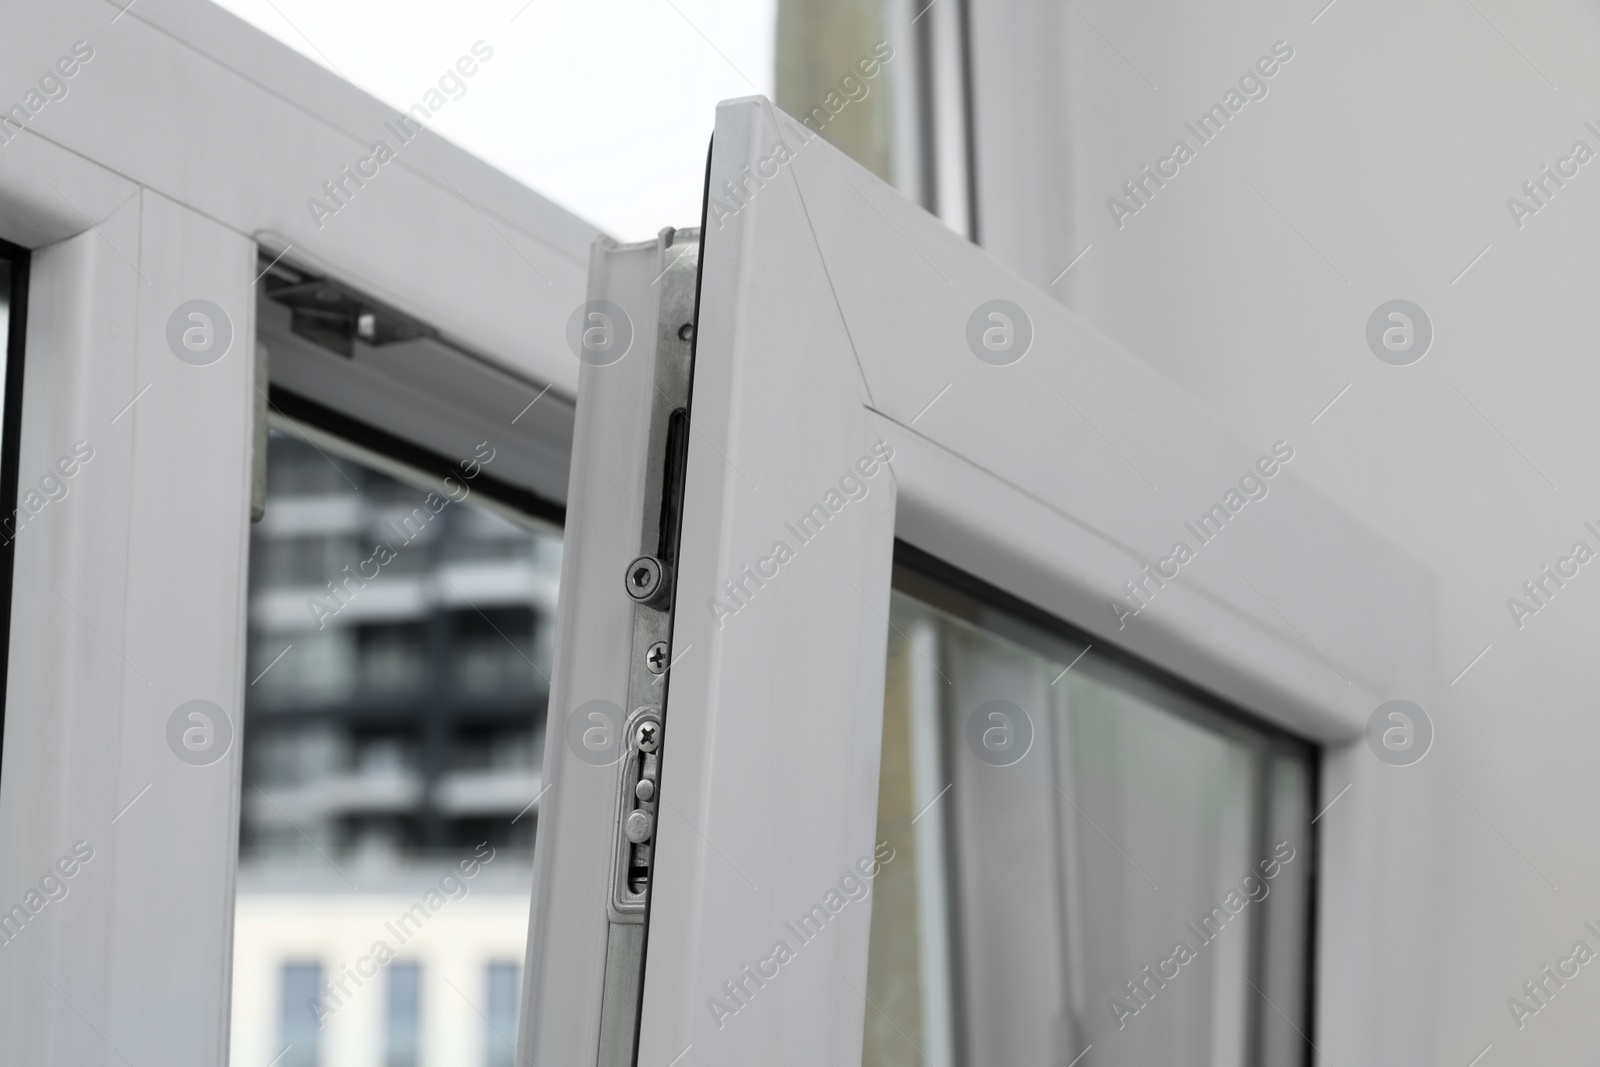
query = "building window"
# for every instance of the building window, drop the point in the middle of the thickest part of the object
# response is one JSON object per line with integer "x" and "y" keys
{"x": 1081, "y": 852}
{"x": 501, "y": 1029}
{"x": 297, "y": 1014}
{"x": 405, "y": 1014}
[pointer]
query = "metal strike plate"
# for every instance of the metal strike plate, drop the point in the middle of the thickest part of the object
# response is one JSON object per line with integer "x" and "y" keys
{"x": 646, "y": 578}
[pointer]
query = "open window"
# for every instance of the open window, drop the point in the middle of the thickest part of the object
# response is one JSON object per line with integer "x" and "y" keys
{"x": 403, "y": 582}
{"x": 968, "y": 614}
{"x": 834, "y": 483}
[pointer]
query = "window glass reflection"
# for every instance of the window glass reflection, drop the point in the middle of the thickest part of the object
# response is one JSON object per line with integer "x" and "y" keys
{"x": 6, "y": 276}
{"x": 399, "y": 651}
{"x": 1084, "y": 856}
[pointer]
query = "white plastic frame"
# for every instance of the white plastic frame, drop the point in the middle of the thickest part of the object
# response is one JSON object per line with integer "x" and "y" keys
{"x": 833, "y": 327}
{"x": 184, "y": 145}
{"x": 832, "y": 316}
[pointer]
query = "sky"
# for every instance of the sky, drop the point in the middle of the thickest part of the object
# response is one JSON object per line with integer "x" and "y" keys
{"x": 604, "y": 106}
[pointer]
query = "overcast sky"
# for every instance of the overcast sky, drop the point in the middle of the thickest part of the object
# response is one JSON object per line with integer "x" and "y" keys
{"x": 604, "y": 106}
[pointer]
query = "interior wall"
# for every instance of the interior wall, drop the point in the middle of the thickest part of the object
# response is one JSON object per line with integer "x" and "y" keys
{"x": 1377, "y": 166}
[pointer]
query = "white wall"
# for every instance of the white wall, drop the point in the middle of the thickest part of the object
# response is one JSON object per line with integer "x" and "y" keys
{"x": 1389, "y": 144}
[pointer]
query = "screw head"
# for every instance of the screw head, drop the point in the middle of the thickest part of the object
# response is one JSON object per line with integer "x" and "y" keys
{"x": 647, "y": 736}
{"x": 638, "y": 827}
{"x": 644, "y": 578}
{"x": 656, "y": 658}
{"x": 686, "y": 331}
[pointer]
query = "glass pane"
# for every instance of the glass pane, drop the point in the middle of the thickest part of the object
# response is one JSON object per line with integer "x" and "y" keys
{"x": 6, "y": 275}
{"x": 400, "y": 638}
{"x": 1083, "y": 857}
{"x": 298, "y": 1011}
{"x": 405, "y": 1014}
{"x": 500, "y": 1037}
{"x": 909, "y": 971}
{"x": 1182, "y": 799}
{"x": 836, "y": 73}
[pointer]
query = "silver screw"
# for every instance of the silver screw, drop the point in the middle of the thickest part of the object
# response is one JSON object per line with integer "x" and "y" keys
{"x": 644, "y": 578}
{"x": 656, "y": 657}
{"x": 647, "y": 736}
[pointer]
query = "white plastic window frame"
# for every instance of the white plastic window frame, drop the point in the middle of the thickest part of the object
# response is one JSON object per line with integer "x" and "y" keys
{"x": 153, "y": 185}
{"x": 839, "y": 334}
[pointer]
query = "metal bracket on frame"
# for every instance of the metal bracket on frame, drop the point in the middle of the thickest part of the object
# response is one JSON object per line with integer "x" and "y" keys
{"x": 649, "y": 581}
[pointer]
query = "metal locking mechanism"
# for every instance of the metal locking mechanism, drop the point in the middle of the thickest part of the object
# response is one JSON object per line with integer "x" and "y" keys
{"x": 641, "y": 778}
{"x": 647, "y": 579}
